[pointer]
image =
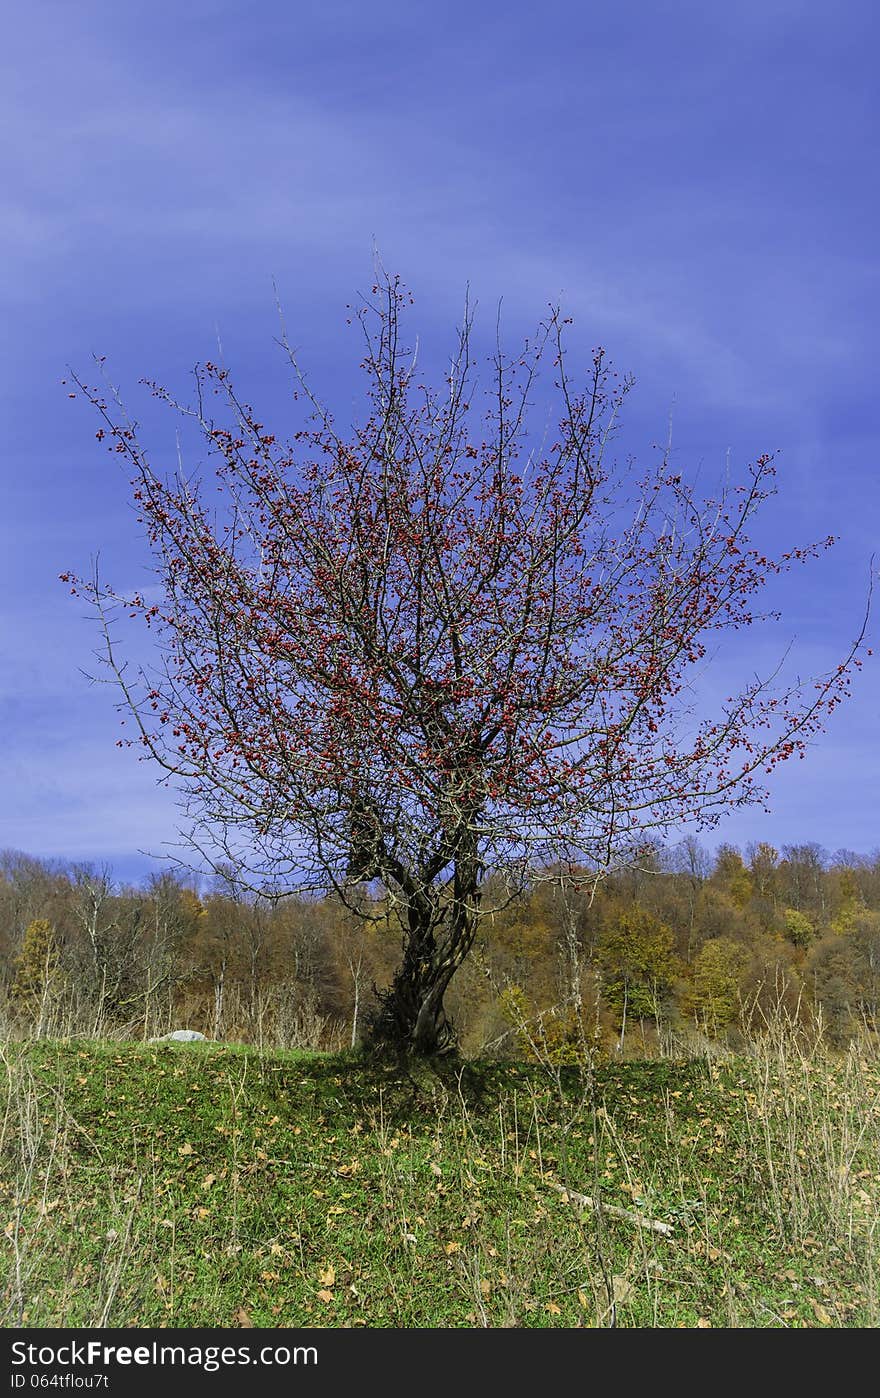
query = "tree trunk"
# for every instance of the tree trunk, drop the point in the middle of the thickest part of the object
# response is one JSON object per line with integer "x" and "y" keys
{"x": 219, "y": 988}
{"x": 356, "y": 978}
{"x": 410, "y": 1017}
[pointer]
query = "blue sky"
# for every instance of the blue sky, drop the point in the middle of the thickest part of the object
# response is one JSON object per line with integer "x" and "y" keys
{"x": 692, "y": 181}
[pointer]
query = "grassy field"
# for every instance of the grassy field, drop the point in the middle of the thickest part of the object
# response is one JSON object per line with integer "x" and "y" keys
{"x": 183, "y": 1185}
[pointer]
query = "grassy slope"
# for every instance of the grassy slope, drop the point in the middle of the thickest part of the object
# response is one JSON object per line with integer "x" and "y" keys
{"x": 211, "y": 1186}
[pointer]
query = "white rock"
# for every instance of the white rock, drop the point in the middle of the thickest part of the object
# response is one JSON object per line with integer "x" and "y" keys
{"x": 180, "y": 1036}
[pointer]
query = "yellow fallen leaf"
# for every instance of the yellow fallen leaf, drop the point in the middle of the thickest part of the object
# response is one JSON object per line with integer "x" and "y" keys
{"x": 451, "y": 1248}
{"x": 485, "y": 1288}
{"x": 208, "y": 1181}
{"x": 820, "y": 1312}
{"x": 552, "y": 1309}
{"x": 325, "y": 1295}
{"x": 704, "y": 1324}
{"x": 328, "y": 1277}
{"x": 622, "y": 1290}
{"x": 185, "y": 1149}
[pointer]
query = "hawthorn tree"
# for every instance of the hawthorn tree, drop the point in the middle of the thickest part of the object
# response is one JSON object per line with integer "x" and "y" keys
{"x": 438, "y": 644}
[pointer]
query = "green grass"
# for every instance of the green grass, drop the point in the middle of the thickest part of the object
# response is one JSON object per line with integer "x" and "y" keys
{"x": 208, "y": 1186}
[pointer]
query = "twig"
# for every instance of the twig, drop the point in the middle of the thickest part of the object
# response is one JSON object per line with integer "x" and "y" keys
{"x": 586, "y": 1201}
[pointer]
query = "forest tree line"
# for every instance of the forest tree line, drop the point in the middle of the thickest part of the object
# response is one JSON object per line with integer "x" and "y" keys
{"x": 681, "y": 943}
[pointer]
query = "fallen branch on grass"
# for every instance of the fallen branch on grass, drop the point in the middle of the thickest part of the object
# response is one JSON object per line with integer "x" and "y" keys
{"x": 586, "y": 1201}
